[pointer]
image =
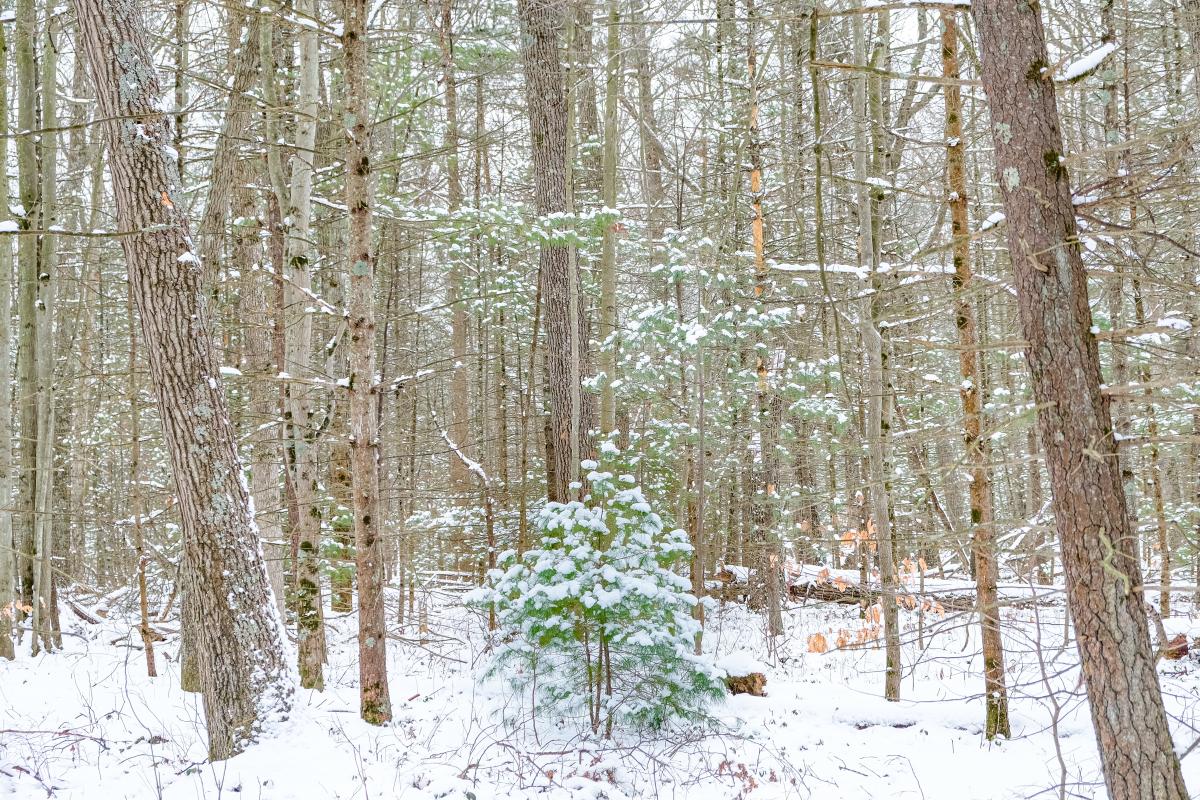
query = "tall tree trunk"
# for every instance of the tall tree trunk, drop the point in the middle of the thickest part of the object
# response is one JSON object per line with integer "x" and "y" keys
{"x": 136, "y": 499}
{"x": 1098, "y": 548}
{"x": 45, "y": 612}
{"x": 238, "y": 633}
{"x": 8, "y": 553}
{"x": 982, "y": 518}
{"x": 302, "y": 428}
{"x": 263, "y": 395}
{"x": 608, "y": 256}
{"x": 460, "y": 430}
{"x": 238, "y": 107}
{"x": 375, "y": 702}
{"x": 545, "y": 86}
{"x": 765, "y": 586}
{"x": 27, "y": 290}
{"x": 878, "y": 387}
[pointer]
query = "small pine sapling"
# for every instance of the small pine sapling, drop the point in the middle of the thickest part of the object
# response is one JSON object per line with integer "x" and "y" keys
{"x": 596, "y": 619}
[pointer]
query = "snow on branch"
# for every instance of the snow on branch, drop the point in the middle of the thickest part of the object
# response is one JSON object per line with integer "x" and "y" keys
{"x": 1085, "y": 65}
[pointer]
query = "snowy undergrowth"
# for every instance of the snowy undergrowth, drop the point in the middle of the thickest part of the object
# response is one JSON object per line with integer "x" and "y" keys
{"x": 88, "y": 723}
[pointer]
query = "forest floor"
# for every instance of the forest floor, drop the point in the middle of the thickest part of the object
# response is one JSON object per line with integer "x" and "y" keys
{"x": 88, "y": 723}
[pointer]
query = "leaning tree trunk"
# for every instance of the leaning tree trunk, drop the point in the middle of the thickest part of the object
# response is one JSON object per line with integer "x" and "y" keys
{"x": 239, "y": 637}
{"x": 375, "y": 702}
{"x": 1099, "y": 551}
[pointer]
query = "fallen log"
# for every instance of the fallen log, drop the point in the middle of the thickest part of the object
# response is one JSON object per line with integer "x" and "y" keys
{"x": 80, "y": 612}
{"x": 811, "y": 582}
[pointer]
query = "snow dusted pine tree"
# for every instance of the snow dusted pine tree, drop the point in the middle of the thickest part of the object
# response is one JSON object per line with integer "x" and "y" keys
{"x": 245, "y": 674}
{"x": 595, "y": 620}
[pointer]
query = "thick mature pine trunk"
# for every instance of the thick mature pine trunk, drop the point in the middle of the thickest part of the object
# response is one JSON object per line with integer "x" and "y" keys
{"x": 376, "y": 704}
{"x": 566, "y": 347}
{"x": 1099, "y": 551}
{"x": 237, "y": 632}
{"x": 983, "y": 533}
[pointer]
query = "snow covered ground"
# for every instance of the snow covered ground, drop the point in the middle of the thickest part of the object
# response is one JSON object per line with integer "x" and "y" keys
{"x": 88, "y": 723}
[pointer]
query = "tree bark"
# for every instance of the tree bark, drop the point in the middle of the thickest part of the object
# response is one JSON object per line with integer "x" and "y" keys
{"x": 608, "y": 256}
{"x": 765, "y": 587}
{"x": 1104, "y": 581}
{"x": 263, "y": 396}
{"x": 45, "y": 615}
{"x": 239, "y": 638}
{"x": 27, "y": 290}
{"x": 302, "y": 428}
{"x": 980, "y": 490}
{"x": 460, "y": 430}
{"x": 375, "y": 702}
{"x": 8, "y": 553}
{"x": 545, "y": 86}
{"x": 878, "y": 389}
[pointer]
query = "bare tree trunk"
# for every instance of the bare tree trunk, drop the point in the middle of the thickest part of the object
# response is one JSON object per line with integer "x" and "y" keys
{"x": 8, "y": 553}
{"x": 1104, "y": 581}
{"x": 263, "y": 395}
{"x": 541, "y": 23}
{"x": 376, "y": 705}
{"x": 45, "y": 614}
{"x": 982, "y": 518}
{"x": 302, "y": 428}
{"x": 878, "y": 386}
{"x": 765, "y": 589}
{"x": 460, "y": 430}
{"x": 135, "y": 492}
{"x": 238, "y": 109}
{"x": 239, "y": 638}
{"x": 608, "y": 256}
{"x": 27, "y": 290}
